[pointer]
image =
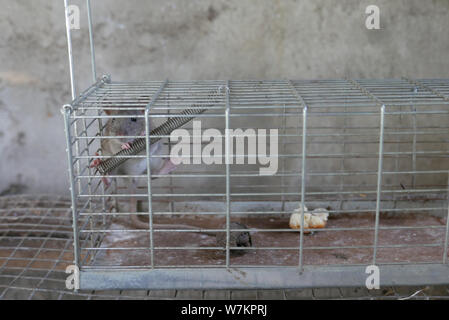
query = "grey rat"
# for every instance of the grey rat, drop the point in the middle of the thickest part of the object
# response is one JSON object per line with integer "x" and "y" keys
{"x": 130, "y": 126}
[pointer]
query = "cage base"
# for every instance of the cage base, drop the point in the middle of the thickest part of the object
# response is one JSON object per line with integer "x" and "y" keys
{"x": 262, "y": 278}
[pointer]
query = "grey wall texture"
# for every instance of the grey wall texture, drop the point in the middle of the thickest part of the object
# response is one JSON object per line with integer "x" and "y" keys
{"x": 195, "y": 39}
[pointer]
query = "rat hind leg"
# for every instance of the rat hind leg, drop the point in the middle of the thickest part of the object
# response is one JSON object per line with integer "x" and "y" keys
{"x": 135, "y": 205}
{"x": 131, "y": 190}
{"x": 167, "y": 167}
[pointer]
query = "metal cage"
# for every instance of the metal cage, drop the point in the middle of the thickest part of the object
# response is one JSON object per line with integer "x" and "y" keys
{"x": 373, "y": 152}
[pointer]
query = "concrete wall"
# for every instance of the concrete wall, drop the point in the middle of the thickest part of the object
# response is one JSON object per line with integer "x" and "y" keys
{"x": 195, "y": 39}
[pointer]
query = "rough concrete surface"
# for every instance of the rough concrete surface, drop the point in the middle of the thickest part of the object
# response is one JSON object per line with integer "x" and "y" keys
{"x": 196, "y": 39}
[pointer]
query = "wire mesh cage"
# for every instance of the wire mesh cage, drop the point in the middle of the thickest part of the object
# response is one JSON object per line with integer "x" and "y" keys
{"x": 370, "y": 153}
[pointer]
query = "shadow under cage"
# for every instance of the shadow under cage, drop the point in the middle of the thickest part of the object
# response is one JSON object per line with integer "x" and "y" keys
{"x": 371, "y": 153}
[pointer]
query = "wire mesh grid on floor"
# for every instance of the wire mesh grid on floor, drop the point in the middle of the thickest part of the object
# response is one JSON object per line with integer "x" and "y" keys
{"x": 36, "y": 245}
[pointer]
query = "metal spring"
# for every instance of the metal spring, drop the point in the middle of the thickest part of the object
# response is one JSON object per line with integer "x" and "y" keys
{"x": 166, "y": 128}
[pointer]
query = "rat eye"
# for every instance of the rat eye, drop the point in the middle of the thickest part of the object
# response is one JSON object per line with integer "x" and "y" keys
{"x": 133, "y": 119}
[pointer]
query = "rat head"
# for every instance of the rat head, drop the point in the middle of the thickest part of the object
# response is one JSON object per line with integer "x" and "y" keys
{"x": 131, "y": 125}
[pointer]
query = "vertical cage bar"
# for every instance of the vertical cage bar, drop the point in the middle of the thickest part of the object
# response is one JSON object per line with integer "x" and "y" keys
{"x": 89, "y": 182}
{"x": 415, "y": 90}
{"x": 397, "y": 141}
{"x": 107, "y": 79}
{"x": 77, "y": 171}
{"x": 100, "y": 133}
{"x": 77, "y": 152}
{"x": 148, "y": 154}
{"x": 303, "y": 185}
{"x": 379, "y": 181}
{"x": 343, "y": 158}
{"x": 67, "y": 110}
{"x": 414, "y": 149}
{"x": 150, "y": 197}
{"x": 303, "y": 170}
{"x": 170, "y": 181}
{"x": 284, "y": 132}
{"x": 446, "y": 238}
{"x": 69, "y": 49}
{"x": 91, "y": 39}
{"x": 228, "y": 185}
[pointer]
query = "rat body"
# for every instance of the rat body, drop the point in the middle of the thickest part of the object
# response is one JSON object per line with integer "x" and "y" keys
{"x": 130, "y": 126}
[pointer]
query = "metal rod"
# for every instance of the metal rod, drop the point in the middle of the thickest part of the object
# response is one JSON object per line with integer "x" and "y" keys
{"x": 100, "y": 135}
{"x": 171, "y": 204}
{"x": 446, "y": 238}
{"x": 265, "y": 194}
{"x": 342, "y": 164}
{"x": 180, "y": 248}
{"x": 91, "y": 40}
{"x": 414, "y": 148}
{"x": 379, "y": 182}
{"x": 280, "y": 174}
{"x": 228, "y": 180}
{"x": 77, "y": 151}
{"x": 69, "y": 49}
{"x": 89, "y": 184}
{"x": 149, "y": 192}
{"x": 219, "y": 213}
{"x": 67, "y": 110}
{"x": 284, "y": 131}
{"x": 367, "y": 92}
{"x": 303, "y": 187}
{"x": 302, "y": 103}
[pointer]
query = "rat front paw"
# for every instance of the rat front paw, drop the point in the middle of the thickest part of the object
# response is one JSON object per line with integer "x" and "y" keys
{"x": 95, "y": 162}
{"x": 126, "y": 146}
